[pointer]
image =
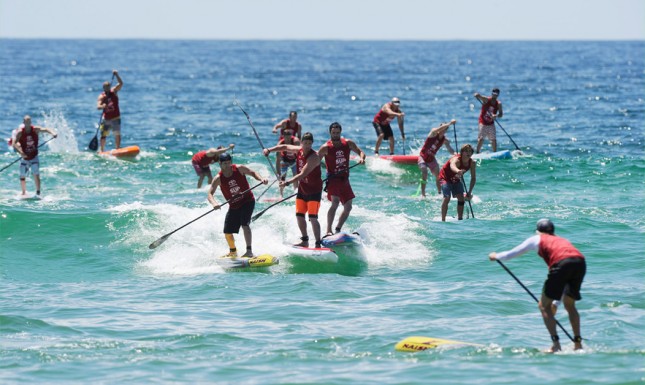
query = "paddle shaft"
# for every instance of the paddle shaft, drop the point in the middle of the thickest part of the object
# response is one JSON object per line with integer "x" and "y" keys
{"x": 534, "y": 297}
{"x": 275, "y": 172}
{"x": 500, "y": 126}
{"x": 258, "y": 215}
{"x": 42, "y": 144}
{"x": 162, "y": 239}
{"x": 454, "y": 129}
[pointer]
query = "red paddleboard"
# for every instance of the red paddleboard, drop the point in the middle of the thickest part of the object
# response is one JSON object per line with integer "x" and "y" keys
{"x": 405, "y": 159}
{"x": 123, "y": 152}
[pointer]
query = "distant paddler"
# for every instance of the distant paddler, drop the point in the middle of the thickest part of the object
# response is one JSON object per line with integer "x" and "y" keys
{"x": 309, "y": 178}
{"x": 336, "y": 154}
{"x": 235, "y": 188}
{"x": 381, "y": 122}
{"x": 427, "y": 160}
{"x": 26, "y": 144}
{"x": 108, "y": 101}
{"x": 491, "y": 110}
{"x": 203, "y": 159}
{"x": 285, "y": 160}
{"x": 451, "y": 176}
{"x": 290, "y": 123}
{"x": 567, "y": 269}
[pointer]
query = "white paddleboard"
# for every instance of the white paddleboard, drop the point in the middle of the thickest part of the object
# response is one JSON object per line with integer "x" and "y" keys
{"x": 318, "y": 254}
{"x": 29, "y": 197}
{"x": 342, "y": 239}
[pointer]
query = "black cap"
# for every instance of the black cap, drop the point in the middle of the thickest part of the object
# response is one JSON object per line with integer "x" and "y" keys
{"x": 496, "y": 91}
{"x": 545, "y": 225}
{"x": 225, "y": 157}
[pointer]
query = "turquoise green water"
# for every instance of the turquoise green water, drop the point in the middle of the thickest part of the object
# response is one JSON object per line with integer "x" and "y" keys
{"x": 83, "y": 299}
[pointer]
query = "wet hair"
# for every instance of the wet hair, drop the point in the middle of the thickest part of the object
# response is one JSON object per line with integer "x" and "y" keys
{"x": 225, "y": 157}
{"x": 545, "y": 225}
{"x": 496, "y": 91}
{"x": 466, "y": 147}
{"x": 293, "y": 113}
{"x": 308, "y": 136}
{"x": 335, "y": 125}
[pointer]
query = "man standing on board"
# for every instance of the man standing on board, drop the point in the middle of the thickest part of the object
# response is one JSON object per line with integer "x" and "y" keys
{"x": 108, "y": 101}
{"x": 336, "y": 153}
{"x": 290, "y": 123}
{"x": 309, "y": 178}
{"x": 26, "y": 144}
{"x": 237, "y": 192}
{"x": 567, "y": 269}
{"x": 451, "y": 179}
{"x": 436, "y": 138}
{"x": 491, "y": 110}
{"x": 285, "y": 160}
{"x": 203, "y": 159}
{"x": 381, "y": 123}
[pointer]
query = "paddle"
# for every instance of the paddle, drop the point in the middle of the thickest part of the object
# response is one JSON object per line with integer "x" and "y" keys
{"x": 258, "y": 215}
{"x": 454, "y": 128}
{"x": 94, "y": 143}
{"x": 161, "y": 240}
{"x": 500, "y": 126}
{"x": 42, "y": 144}
{"x": 534, "y": 297}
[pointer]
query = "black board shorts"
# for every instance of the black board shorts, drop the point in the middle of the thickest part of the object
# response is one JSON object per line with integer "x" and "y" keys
{"x": 565, "y": 277}
{"x": 236, "y": 218}
{"x": 384, "y": 129}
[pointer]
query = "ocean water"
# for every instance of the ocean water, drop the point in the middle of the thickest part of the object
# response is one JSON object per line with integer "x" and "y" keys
{"x": 84, "y": 300}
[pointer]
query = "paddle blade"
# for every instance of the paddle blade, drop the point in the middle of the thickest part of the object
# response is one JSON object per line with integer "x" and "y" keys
{"x": 158, "y": 242}
{"x": 418, "y": 344}
{"x": 94, "y": 144}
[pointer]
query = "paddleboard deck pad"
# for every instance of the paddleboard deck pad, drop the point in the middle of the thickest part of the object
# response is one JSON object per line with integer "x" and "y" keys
{"x": 342, "y": 239}
{"x": 123, "y": 152}
{"x": 418, "y": 344}
{"x": 318, "y": 254}
{"x": 264, "y": 260}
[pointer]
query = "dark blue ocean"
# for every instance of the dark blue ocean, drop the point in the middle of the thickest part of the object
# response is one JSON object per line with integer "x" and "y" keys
{"x": 84, "y": 300}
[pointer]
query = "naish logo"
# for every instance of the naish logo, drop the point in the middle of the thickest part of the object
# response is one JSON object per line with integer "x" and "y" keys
{"x": 258, "y": 260}
{"x": 419, "y": 347}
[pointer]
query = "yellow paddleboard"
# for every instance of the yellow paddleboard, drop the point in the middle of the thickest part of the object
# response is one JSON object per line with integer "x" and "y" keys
{"x": 418, "y": 343}
{"x": 264, "y": 260}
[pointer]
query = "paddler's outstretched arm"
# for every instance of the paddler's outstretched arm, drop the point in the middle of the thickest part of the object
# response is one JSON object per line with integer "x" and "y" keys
{"x": 352, "y": 145}
{"x": 281, "y": 147}
{"x": 216, "y": 152}
{"x": 247, "y": 171}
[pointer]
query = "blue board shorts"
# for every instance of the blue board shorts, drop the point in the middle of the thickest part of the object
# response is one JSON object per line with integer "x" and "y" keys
{"x": 456, "y": 189}
{"x": 32, "y": 164}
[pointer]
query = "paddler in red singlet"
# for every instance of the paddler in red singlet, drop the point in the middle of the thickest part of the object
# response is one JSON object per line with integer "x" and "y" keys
{"x": 309, "y": 178}
{"x": 290, "y": 123}
{"x": 203, "y": 159}
{"x": 451, "y": 176}
{"x": 108, "y": 101}
{"x": 491, "y": 110}
{"x": 381, "y": 123}
{"x": 237, "y": 192}
{"x": 285, "y": 160}
{"x": 26, "y": 144}
{"x": 336, "y": 154}
{"x": 436, "y": 138}
{"x": 567, "y": 269}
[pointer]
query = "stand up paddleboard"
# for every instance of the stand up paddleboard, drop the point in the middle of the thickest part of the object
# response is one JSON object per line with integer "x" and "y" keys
{"x": 123, "y": 152}
{"x": 318, "y": 254}
{"x": 506, "y": 154}
{"x": 403, "y": 159}
{"x": 342, "y": 239}
{"x": 418, "y": 344}
{"x": 264, "y": 260}
{"x": 29, "y": 197}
